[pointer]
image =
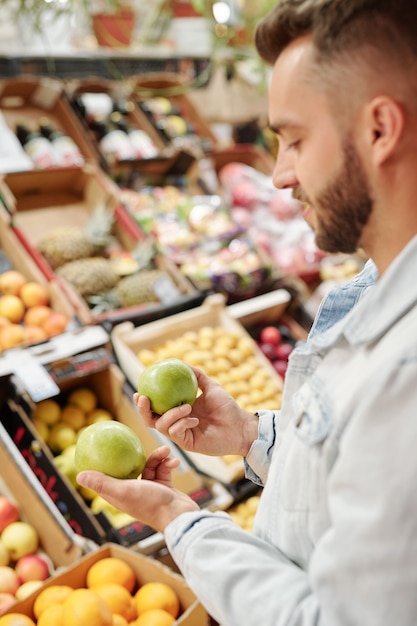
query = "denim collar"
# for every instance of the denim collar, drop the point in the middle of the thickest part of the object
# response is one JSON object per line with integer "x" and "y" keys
{"x": 392, "y": 296}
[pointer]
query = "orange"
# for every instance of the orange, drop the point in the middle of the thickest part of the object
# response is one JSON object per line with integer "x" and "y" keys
{"x": 155, "y": 617}
{"x": 12, "y": 308}
{"x": 157, "y": 595}
{"x": 55, "y": 594}
{"x": 34, "y": 294}
{"x": 36, "y": 315}
{"x": 111, "y": 569}
{"x": 118, "y": 620}
{"x": 16, "y": 619}
{"x": 84, "y": 606}
{"x": 118, "y": 599}
{"x": 12, "y": 335}
{"x": 12, "y": 282}
{"x": 51, "y": 616}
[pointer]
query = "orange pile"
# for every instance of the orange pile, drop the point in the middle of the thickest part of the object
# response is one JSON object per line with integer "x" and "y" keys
{"x": 111, "y": 597}
{"x": 26, "y": 316}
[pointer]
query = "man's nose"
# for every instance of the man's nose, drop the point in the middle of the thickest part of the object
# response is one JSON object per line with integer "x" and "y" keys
{"x": 283, "y": 176}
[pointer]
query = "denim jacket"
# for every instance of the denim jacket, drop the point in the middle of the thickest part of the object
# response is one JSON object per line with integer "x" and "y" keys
{"x": 335, "y": 535}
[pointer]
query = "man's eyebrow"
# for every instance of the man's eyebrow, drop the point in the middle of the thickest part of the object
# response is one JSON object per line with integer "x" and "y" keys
{"x": 281, "y": 125}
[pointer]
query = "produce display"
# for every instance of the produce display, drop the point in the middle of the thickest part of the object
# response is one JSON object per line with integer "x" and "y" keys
{"x": 244, "y": 513}
{"x": 273, "y": 218}
{"x": 276, "y": 342}
{"x": 23, "y": 564}
{"x": 104, "y": 274}
{"x": 238, "y": 241}
{"x": 111, "y": 596}
{"x": 62, "y": 424}
{"x": 201, "y": 236}
{"x": 226, "y": 356}
{"x": 26, "y": 314}
{"x": 174, "y": 126}
{"x": 114, "y": 128}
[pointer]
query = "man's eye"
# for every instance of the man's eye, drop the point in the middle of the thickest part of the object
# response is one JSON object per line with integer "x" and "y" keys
{"x": 293, "y": 145}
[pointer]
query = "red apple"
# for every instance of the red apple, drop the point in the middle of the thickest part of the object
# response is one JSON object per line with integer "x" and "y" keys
{"x": 268, "y": 350}
{"x": 270, "y": 334}
{"x": 32, "y": 567}
{"x": 6, "y": 601}
{"x": 283, "y": 351}
{"x": 8, "y": 512}
{"x": 9, "y": 581}
{"x": 280, "y": 367}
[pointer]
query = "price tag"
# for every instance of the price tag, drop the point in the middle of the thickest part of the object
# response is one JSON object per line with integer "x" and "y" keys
{"x": 35, "y": 378}
{"x": 166, "y": 290}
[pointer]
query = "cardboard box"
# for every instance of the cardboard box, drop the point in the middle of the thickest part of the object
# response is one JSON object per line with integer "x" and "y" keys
{"x": 67, "y": 198}
{"x": 252, "y": 155}
{"x": 19, "y": 484}
{"x": 265, "y": 309}
{"x": 31, "y": 98}
{"x": 146, "y": 569}
{"x": 93, "y": 370}
{"x": 173, "y": 87}
{"x": 167, "y": 160}
{"x": 128, "y": 341}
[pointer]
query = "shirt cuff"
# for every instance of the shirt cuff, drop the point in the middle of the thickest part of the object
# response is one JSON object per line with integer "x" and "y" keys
{"x": 258, "y": 459}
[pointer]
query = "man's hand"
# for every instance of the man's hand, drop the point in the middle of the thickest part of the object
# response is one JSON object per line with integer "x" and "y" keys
{"x": 214, "y": 425}
{"x": 151, "y": 499}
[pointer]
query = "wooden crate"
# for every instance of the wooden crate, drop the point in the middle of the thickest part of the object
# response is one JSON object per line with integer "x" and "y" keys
{"x": 146, "y": 569}
{"x": 127, "y": 342}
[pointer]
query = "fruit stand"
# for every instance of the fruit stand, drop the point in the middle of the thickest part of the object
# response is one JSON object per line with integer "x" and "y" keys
{"x": 108, "y": 266}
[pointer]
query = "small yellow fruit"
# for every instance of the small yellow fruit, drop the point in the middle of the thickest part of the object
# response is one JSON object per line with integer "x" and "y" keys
{"x": 84, "y": 398}
{"x": 61, "y": 436}
{"x": 98, "y": 415}
{"x": 73, "y": 416}
{"x": 47, "y": 411}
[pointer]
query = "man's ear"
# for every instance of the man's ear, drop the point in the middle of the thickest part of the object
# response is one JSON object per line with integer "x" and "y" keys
{"x": 385, "y": 124}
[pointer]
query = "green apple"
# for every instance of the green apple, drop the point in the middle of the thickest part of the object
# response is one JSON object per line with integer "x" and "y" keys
{"x": 168, "y": 383}
{"x": 112, "y": 448}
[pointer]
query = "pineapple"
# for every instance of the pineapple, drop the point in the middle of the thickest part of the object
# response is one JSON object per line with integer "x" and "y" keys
{"x": 89, "y": 276}
{"x": 69, "y": 243}
{"x": 132, "y": 290}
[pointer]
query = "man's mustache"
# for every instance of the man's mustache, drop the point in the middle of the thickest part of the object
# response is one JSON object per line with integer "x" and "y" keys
{"x": 300, "y": 195}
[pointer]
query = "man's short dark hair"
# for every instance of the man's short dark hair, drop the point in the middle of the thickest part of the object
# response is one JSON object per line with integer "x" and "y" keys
{"x": 339, "y": 26}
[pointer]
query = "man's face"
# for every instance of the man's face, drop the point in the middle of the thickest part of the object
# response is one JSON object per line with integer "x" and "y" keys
{"x": 315, "y": 158}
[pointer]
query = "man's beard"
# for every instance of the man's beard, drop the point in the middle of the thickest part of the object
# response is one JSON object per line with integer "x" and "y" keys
{"x": 344, "y": 206}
